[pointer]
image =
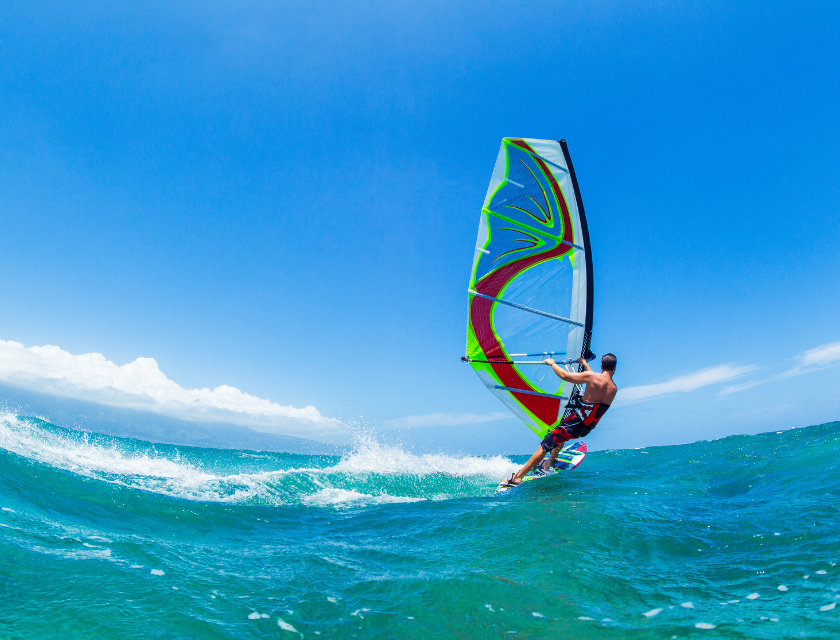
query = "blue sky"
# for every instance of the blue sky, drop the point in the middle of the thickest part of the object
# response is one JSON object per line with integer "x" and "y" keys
{"x": 284, "y": 199}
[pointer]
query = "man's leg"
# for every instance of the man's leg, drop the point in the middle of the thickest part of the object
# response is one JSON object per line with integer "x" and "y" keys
{"x": 539, "y": 454}
{"x": 554, "y": 452}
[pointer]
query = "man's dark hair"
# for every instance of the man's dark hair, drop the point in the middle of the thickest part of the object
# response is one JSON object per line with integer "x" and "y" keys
{"x": 608, "y": 362}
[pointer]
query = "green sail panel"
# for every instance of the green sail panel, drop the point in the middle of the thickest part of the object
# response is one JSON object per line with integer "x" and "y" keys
{"x": 530, "y": 288}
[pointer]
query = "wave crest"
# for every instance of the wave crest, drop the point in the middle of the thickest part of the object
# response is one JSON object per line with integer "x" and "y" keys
{"x": 373, "y": 473}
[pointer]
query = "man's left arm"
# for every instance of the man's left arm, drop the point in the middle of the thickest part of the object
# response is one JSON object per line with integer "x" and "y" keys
{"x": 575, "y": 378}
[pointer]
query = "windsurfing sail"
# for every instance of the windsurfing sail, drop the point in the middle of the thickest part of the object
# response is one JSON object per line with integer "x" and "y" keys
{"x": 530, "y": 293}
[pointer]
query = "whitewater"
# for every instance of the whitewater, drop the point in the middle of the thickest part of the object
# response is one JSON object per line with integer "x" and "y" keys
{"x": 108, "y": 537}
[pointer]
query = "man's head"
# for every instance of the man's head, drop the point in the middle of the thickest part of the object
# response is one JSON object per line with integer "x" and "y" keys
{"x": 608, "y": 363}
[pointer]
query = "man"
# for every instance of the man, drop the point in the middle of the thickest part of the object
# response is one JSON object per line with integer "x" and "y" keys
{"x": 586, "y": 412}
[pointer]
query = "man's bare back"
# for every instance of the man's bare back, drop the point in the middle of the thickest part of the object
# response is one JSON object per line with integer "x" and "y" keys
{"x": 600, "y": 387}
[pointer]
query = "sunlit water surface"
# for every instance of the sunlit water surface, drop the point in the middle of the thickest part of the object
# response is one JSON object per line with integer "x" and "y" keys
{"x": 106, "y": 537}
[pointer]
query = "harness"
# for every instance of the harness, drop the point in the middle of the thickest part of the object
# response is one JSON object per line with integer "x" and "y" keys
{"x": 583, "y": 417}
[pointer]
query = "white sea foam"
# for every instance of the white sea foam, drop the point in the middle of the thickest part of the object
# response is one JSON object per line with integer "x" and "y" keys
{"x": 168, "y": 473}
{"x": 704, "y": 625}
{"x": 652, "y": 612}
{"x": 343, "y": 497}
{"x": 60, "y": 451}
{"x": 285, "y": 626}
{"x": 256, "y": 616}
{"x": 370, "y": 456}
{"x": 75, "y": 554}
{"x": 153, "y": 471}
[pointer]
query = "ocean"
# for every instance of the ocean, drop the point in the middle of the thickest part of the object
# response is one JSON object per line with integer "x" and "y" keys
{"x": 108, "y": 537}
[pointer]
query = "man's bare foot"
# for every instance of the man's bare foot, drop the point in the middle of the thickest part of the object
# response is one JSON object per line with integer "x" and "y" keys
{"x": 513, "y": 480}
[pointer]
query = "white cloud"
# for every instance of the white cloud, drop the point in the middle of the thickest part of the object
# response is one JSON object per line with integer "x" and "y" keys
{"x": 142, "y": 385}
{"x": 447, "y": 419}
{"x": 822, "y": 357}
{"x": 690, "y": 382}
{"x": 827, "y": 354}
{"x": 735, "y": 388}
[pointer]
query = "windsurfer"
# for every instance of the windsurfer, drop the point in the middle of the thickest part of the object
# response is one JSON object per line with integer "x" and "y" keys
{"x": 585, "y": 412}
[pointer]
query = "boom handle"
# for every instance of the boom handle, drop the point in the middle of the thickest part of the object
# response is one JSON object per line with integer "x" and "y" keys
{"x": 566, "y": 362}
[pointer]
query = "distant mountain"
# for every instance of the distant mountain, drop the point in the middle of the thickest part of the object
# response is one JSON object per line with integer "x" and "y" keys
{"x": 89, "y": 416}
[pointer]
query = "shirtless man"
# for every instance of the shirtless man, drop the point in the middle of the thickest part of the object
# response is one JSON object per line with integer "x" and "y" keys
{"x": 599, "y": 394}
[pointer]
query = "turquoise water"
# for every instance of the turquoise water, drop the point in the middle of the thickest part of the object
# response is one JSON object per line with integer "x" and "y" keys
{"x": 106, "y": 537}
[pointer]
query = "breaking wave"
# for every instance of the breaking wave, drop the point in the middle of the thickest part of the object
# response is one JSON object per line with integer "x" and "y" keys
{"x": 372, "y": 473}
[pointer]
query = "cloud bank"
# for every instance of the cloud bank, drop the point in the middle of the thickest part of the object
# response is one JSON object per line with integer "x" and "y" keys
{"x": 142, "y": 385}
{"x": 690, "y": 382}
{"x": 447, "y": 419}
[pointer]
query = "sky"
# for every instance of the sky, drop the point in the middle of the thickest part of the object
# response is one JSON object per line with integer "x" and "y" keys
{"x": 265, "y": 213}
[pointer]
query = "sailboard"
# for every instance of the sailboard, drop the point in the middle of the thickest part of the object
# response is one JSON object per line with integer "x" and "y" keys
{"x": 531, "y": 288}
{"x": 568, "y": 459}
